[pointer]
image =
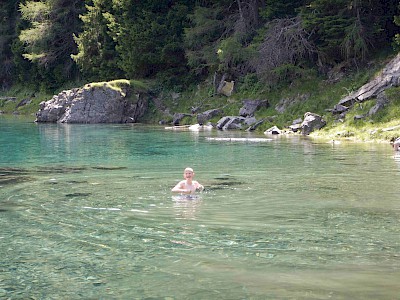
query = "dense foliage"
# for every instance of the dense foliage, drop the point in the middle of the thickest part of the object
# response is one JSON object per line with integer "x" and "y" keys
{"x": 175, "y": 42}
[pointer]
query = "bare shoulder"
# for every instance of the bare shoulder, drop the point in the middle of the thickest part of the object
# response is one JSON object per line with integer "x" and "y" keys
{"x": 197, "y": 184}
{"x": 180, "y": 183}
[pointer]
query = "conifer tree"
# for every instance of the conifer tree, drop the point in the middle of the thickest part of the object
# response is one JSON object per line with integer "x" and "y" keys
{"x": 348, "y": 30}
{"x": 96, "y": 55}
{"x": 48, "y": 40}
{"x": 219, "y": 36}
{"x": 8, "y": 18}
{"x": 149, "y": 37}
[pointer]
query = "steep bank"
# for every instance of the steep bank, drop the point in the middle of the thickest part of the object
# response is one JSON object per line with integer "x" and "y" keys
{"x": 287, "y": 104}
{"x": 358, "y": 106}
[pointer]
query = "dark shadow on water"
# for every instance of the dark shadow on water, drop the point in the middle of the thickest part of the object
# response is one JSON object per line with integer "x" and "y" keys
{"x": 223, "y": 183}
{"x": 109, "y": 168}
{"x": 9, "y": 206}
{"x": 59, "y": 169}
{"x": 10, "y": 175}
{"x": 13, "y": 176}
{"x": 77, "y": 195}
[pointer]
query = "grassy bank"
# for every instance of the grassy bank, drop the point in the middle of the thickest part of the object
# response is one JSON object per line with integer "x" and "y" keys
{"x": 311, "y": 93}
{"x": 11, "y": 101}
{"x": 381, "y": 127}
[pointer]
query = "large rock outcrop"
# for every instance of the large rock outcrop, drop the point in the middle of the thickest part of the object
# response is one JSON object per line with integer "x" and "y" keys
{"x": 389, "y": 77}
{"x": 93, "y": 104}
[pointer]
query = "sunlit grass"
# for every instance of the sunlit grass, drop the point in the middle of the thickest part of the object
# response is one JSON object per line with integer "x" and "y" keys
{"x": 383, "y": 126}
{"x": 120, "y": 85}
{"x": 311, "y": 93}
{"x": 20, "y": 93}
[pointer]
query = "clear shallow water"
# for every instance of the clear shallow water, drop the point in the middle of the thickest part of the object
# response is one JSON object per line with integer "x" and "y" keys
{"x": 86, "y": 213}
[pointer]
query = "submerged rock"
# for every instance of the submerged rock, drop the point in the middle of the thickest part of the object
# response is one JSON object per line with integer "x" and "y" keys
{"x": 13, "y": 176}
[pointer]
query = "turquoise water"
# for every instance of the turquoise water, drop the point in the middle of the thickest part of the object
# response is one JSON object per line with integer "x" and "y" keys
{"x": 86, "y": 213}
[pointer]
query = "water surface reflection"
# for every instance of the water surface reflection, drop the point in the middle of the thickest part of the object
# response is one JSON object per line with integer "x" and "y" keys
{"x": 88, "y": 214}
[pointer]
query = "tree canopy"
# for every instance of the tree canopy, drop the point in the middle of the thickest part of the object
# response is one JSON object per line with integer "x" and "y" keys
{"x": 174, "y": 41}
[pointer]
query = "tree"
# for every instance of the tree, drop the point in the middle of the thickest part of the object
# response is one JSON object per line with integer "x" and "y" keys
{"x": 8, "y": 17}
{"x": 348, "y": 30}
{"x": 281, "y": 9}
{"x": 284, "y": 48}
{"x": 148, "y": 36}
{"x": 96, "y": 55}
{"x": 397, "y": 35}
{"x": 246, "y": 20}
{"x": 48, "y": 40}
{"x": 219, "y": 36}
{"x": 202, "y": 37}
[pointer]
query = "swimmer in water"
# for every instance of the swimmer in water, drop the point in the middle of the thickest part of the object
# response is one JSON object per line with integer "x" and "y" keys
{"x": 396, "y": 144}
{"x": 187, "y": 186}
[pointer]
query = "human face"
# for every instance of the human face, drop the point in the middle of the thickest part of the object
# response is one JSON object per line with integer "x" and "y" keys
{"x": 188, "y": 174}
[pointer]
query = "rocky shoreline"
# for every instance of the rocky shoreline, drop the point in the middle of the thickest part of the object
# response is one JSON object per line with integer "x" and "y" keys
{"x": 103, "y": 103}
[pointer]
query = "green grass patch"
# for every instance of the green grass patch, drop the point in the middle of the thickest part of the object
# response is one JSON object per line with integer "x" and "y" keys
{"x": 121, "y": 85}
{"x": 310, "y": 92}
{"x": 22, "y": 93}
{"x": 383, "y": 126}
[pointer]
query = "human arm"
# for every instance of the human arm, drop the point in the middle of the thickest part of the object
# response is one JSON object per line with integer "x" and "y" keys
{"x": 181, "y": 188}
{"x": 199, "y": 186}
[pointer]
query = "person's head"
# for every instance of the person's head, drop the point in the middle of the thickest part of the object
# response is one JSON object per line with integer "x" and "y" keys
{"x": 395, "y": 143}
{"x": 188, "y": 173}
